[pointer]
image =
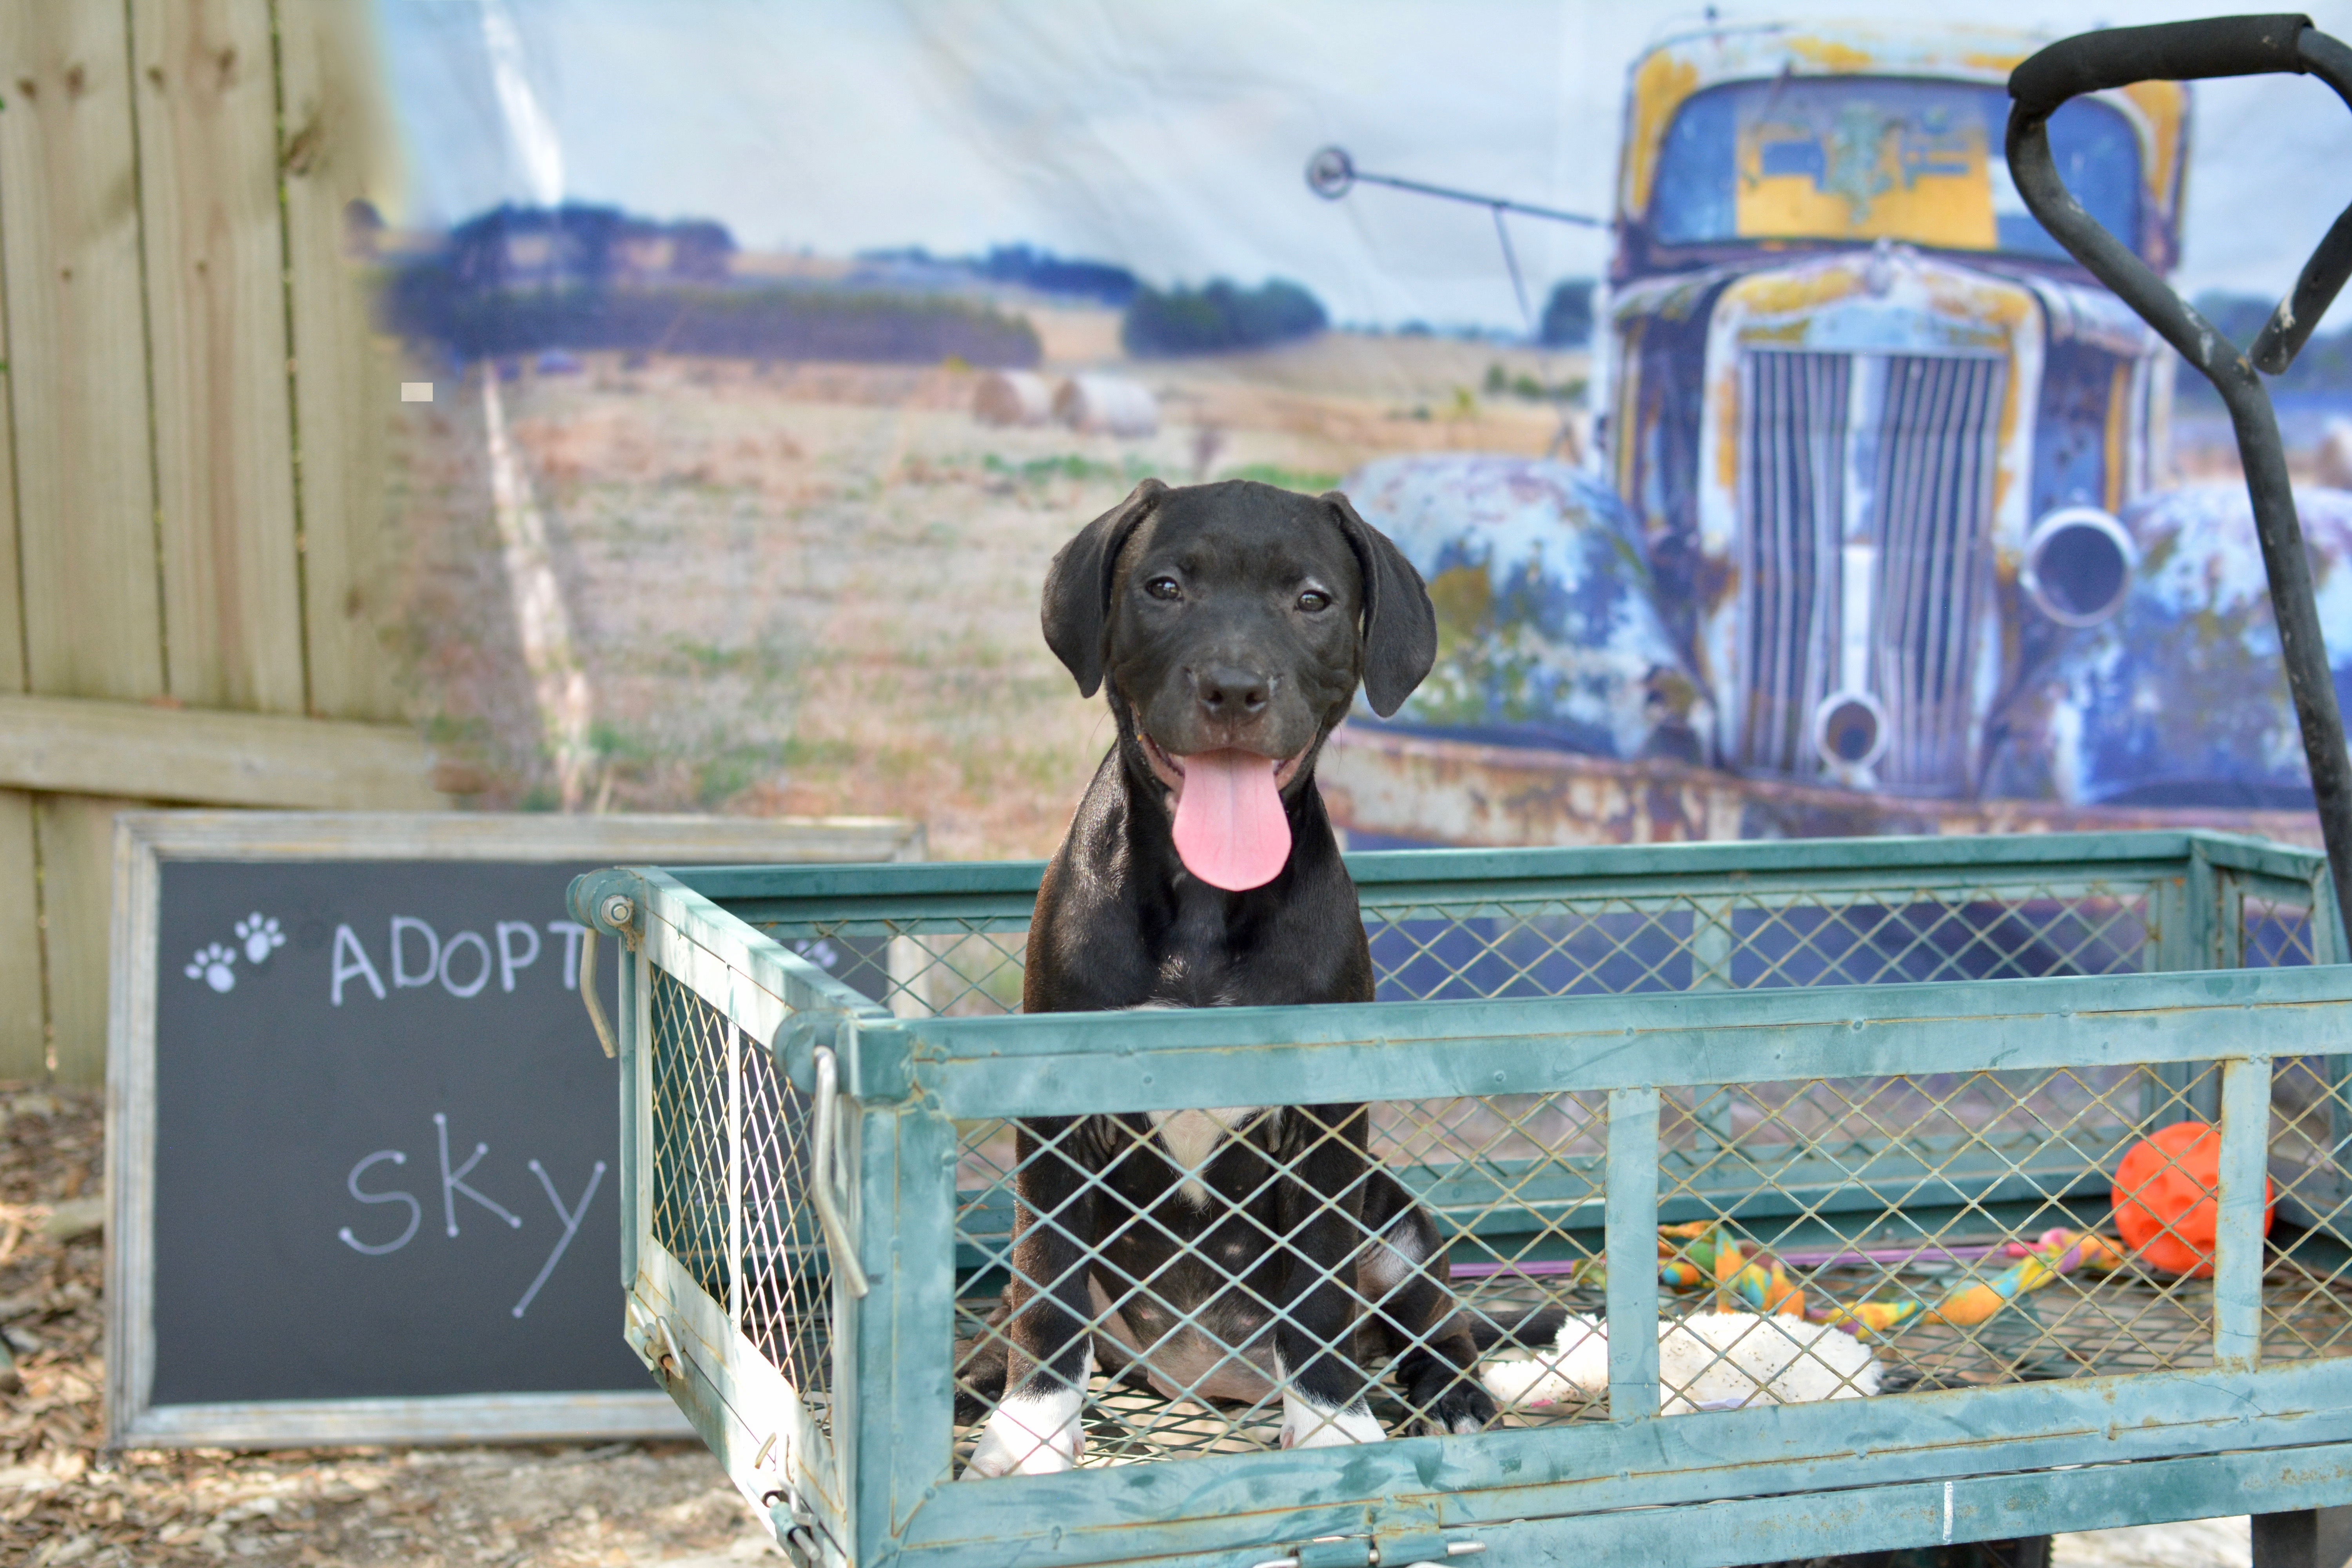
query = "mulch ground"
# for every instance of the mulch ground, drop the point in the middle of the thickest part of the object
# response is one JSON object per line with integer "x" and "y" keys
{"x": 64, "y": 1499}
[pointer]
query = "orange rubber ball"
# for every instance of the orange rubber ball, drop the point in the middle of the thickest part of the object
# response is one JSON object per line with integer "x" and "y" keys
{"x": 2165, "y": 1198}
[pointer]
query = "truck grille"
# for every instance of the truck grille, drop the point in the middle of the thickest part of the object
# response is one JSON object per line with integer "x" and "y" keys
{"x": 1933, "y": 504}
{"x": 1895, "y": 456}
{"x": 1795, "y": 448}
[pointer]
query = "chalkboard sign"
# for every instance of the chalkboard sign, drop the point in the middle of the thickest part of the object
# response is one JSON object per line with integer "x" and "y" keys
{"x": 362, "y": 1136}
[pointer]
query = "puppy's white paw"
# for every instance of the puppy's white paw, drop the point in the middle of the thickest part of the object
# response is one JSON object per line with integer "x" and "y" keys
{"x": 1029, "y": 1434}
{"x": 1308, "y": 1423}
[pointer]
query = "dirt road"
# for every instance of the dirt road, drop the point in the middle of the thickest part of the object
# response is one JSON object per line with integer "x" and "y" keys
{"x": 814, "y": 589}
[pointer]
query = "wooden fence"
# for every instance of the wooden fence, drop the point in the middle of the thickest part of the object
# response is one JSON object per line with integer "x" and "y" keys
{"x": 190, "y": 478}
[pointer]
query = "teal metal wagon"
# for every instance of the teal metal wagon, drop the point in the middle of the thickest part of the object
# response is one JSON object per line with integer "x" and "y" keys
{"x": 1883, "y": 1063}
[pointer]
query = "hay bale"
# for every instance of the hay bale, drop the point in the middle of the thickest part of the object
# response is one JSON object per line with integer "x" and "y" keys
{"x": 1107, "y": 405}
{"x": 1013, "y": 397}
{"x": 2336, "y": 455}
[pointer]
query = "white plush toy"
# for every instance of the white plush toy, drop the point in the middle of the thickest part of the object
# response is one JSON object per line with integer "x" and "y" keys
{"x": 1709, "y": 1361}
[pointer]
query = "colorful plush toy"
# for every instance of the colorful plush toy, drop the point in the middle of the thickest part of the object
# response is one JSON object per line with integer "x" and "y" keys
{"x": 2056, "y": 1254}
{"x": 1702, "y": 1254}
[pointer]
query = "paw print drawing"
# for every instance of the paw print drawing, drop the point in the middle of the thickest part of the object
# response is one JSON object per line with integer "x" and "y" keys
{"x": 215, "y": 965}
{"x": 261, "y": 936}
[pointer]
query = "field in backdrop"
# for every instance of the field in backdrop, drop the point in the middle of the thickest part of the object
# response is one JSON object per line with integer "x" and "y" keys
{"x": 812, "y": 588}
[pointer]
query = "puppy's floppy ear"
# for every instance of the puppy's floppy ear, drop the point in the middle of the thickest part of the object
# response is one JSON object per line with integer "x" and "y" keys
{"x": 1077, "y": 585}
{"x": 1400, "y": 624}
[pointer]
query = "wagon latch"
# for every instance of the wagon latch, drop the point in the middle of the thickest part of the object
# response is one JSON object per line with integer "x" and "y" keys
{"x": 794, "y": 1524}
{"x": 648, "y": 1334}
{"x": 602, "y": 901}
{"x": 1374, "y": 1552}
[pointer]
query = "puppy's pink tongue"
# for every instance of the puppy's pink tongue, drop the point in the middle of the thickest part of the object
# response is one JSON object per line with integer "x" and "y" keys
{"x": 1230, "y": 826}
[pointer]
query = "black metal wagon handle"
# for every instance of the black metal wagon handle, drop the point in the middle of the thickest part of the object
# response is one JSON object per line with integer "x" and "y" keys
{"x": 2184, "y": 51}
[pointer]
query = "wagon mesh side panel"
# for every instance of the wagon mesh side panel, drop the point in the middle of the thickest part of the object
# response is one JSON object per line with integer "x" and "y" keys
{"x": 783, "y": 1306}
{"x": 1943, "y": 1214}
{"x": 2307, "y": 1278}
{"x": 1510, "y": 1183}
{"x": 1868, "y": 1235}
{"x": 2307, "y": 1272}
{"x": 930, "y": 967}
{"x": 1514, "y": 1183}
{"x": 689, "y": 1117}
{"x": 1568, "y": 946}
{"x": 787, "y": 1306}
{"x": 2275, "y": 934}
{"x": 1494, "y": 944}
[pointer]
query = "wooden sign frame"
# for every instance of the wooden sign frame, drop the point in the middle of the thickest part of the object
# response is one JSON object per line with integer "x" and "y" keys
{"x": 144, "y": 841}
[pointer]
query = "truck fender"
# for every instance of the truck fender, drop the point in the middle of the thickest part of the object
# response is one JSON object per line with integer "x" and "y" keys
{"x": 1548, "y": 625}
{"x": 2179, "y": 699}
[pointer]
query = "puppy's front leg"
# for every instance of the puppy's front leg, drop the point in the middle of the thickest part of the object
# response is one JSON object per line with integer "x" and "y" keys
{"x": 1034, "y": 1428}
{"x": 1320, "y": 1204}
{"x": 1405, "y": 1278}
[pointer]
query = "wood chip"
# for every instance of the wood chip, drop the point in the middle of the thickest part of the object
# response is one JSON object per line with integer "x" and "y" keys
{"x": 74, "y": 1217}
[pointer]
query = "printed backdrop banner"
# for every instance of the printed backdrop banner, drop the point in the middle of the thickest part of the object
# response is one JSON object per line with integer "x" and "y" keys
{"x": 1708, "y": 366}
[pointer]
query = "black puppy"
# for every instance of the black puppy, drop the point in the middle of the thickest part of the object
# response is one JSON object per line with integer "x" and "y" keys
{"x": 1217, "y": 1255}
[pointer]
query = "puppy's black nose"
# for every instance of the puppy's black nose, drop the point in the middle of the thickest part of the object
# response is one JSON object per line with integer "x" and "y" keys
{"x": 1226, "y": 692}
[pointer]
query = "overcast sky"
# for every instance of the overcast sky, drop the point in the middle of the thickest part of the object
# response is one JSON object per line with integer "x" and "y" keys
{"x": 1169, "y": 135}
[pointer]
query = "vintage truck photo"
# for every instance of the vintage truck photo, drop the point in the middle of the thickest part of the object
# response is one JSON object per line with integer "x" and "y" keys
{"x": 1879, "y": 536}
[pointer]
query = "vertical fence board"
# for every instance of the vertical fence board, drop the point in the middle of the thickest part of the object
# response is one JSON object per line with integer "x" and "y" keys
{"x": 86, "y": 517}
{"x": 206, "y": 91}
{"x": 336, "y": 152}
{"x": 23, "y": 1050}
{"x": 75, "y": 836}
{"x": 12, "y": 592}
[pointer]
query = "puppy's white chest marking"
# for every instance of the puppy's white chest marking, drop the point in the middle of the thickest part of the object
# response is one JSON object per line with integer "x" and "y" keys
{"x": 1191, "y": 1137}
{"x": 1397, "y": 1254}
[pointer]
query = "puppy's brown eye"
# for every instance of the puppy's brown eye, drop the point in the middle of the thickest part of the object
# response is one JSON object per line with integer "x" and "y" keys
{"x": 1312, "y": 601}
{"x": 1164, "y": 588}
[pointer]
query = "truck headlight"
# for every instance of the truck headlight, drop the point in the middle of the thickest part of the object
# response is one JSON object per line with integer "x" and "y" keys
{"x": 2078, "y": 566}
